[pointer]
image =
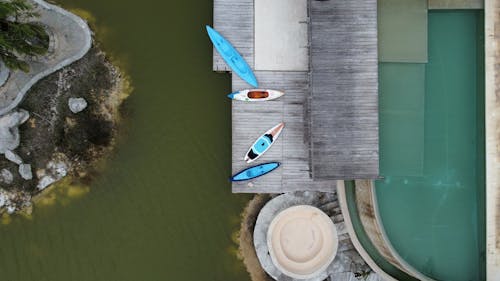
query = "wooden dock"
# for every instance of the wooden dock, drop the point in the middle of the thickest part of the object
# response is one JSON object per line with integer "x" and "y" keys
{"x": 344, "y": 92}
{"x": 339, "y": 116}
{"x": 291, "y": 148}
{"x": 234, "y": 20}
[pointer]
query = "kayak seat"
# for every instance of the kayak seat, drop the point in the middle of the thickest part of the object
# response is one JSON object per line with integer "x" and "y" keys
{"x": 252, "y": 155}
{"x": 258, "y": 94}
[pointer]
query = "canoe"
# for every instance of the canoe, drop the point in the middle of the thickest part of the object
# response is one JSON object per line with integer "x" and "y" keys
{"x": 255, "y": 171}
{"x": 255, "y": 95}
{"x": 262, "y": 144}
{"x": 232, "y": 57}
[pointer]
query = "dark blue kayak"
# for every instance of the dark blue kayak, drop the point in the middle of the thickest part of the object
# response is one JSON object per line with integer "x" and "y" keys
{"x": 255, "y": 171}
{"x": 232, "y": 57}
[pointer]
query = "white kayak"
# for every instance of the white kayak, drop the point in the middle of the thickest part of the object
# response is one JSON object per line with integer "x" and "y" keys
{"x": 255, "y": 95}
{"x": 264, "y": 142}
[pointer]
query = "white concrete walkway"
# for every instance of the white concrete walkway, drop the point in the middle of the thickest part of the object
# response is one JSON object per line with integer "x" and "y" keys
{"x": 70, "y": 40}
{"x": 281, "y": 35}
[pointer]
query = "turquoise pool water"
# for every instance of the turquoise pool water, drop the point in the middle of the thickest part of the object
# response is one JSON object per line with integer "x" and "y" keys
{"x": 431, "y": 199}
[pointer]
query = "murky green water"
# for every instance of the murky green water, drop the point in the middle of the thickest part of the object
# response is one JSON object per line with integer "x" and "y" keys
{"x": 163, "y": 209}
{"x": 432, "y": 151}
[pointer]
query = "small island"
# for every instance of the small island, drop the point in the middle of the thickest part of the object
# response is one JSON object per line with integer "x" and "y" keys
{"x": 61, "y": 102}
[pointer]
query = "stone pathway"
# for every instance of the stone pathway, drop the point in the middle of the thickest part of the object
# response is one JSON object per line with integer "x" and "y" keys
{"x": 70, "y": 40}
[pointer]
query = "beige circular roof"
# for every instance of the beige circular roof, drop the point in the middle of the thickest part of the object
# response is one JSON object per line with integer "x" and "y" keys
{"x": 302, "y": 241}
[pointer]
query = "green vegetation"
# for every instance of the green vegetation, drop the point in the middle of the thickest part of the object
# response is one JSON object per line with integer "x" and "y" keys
{"x": 19, "y": 38}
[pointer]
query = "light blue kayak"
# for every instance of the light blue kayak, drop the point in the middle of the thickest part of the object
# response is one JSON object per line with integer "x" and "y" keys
{"x": 255, "y": 171}
{"x": 232, "y": 57}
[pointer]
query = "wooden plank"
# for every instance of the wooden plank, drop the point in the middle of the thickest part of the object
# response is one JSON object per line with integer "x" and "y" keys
{"x": 251, "y": 120}
{"x": 344, "y": 95}
{"x": 330, "y": 114}
{"x": 235, "y": 21}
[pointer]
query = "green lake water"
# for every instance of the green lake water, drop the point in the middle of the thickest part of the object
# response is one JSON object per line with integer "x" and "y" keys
{"x": 431, "y": 199}
{"x": 162, "y": 209}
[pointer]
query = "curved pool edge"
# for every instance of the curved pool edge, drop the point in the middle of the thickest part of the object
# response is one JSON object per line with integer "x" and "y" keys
{"x": 375, "y": 232}
{"x": 377, "y": 220}
{"x": 341, "y": 193}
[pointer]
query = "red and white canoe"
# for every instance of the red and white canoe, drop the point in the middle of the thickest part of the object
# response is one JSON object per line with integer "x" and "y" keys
{"x": 255, "y": 95}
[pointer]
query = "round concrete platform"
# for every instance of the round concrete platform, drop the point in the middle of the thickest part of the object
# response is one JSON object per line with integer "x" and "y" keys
{"x": 264, "y": 220}
{"x": 302, "y": 241}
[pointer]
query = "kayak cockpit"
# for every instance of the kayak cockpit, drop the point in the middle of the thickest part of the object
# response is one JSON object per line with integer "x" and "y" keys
{"x": 258, "y": 94}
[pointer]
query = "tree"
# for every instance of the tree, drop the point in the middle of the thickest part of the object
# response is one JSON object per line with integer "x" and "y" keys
{"x": 19, "y": 38}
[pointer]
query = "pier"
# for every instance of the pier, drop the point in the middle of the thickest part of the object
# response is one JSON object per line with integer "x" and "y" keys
{"x": 330, "y": 106}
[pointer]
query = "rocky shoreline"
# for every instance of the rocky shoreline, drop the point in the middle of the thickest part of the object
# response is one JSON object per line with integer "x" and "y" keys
{"x": 246, "y": 245}
{"x": 66, "y": 124}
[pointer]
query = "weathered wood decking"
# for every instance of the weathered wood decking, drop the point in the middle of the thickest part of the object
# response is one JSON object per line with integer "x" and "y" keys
{"x": 340, "y": 104}
{"x": 344, "y": 93}
{"x": 234, "y": 19}
{"x": 292, "y": 147}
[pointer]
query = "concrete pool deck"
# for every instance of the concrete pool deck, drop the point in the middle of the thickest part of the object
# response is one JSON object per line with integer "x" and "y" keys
{"x": 492, "y": 118}
{"x": 456, "y": 4}
{"x": 281, "y": 35}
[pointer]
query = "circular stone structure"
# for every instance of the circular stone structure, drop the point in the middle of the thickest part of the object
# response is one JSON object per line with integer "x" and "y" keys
{"x": 302, "y": 241}
{"x": 270, "y": 212}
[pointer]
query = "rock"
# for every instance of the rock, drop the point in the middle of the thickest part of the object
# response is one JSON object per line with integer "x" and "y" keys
{"x": 77, "y": 104}
{"x": 25, "y": 171}
{"x": 11, "y": 209}
{"x": 13, "y": 157}
{"x": 4, "y": 73}
{"x": 3, "y": 199}
{"x": 44, "y": 182}
{"x": 9, "y": 132}
{"x": 40, "y": 173}
{"x": 55, "y": 170}
{"x": 58, "y": 168}
{"x": 6, "y": 177}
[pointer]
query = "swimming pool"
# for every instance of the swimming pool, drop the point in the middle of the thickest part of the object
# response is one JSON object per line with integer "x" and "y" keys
{"x": 431, "y": 199}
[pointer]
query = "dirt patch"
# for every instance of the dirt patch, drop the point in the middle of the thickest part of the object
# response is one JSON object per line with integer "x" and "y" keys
{"x": 247, "y": 249}
{"x": 54, "y": 134}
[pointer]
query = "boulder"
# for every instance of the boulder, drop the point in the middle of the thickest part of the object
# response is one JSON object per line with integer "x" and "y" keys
{"x": 77, "y": 104}
{"x": 44, "y": 182}
{"x": 11, "y": 209}
{"x": 58, "y": 169}
{"x": 6, "y": 177}
{"x": 13, "y": 157}
{"x": 9, "y": 132}
{"x": 55, "y": 170}
{"x": 3, "y": 199}
{"x": 25, "y": 171}
{"x": 4, "y": 74}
